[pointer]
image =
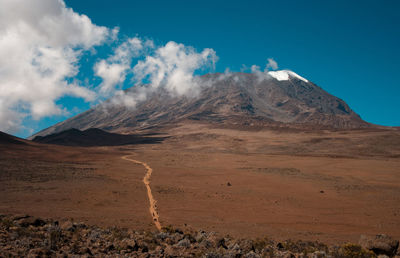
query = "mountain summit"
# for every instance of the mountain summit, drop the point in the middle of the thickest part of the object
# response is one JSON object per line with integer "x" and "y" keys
{"x": 277, "y": 97}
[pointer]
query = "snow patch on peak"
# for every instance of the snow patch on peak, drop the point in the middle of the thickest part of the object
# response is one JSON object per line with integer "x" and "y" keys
{"x": 280, "y": 75}
{"x": 284, "y": 75}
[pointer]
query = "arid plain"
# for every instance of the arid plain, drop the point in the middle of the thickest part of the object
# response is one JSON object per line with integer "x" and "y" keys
{"x": 327, "y": 185}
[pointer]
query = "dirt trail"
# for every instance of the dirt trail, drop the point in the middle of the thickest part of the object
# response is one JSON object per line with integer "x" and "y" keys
{"x": 146, "y": 181}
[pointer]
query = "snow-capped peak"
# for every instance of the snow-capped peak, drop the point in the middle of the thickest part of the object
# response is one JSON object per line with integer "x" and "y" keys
{"x": 284, "y": 75}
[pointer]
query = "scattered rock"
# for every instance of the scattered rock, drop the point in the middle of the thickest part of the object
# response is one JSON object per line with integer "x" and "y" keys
{"x": 184, "y": 243}
{"x": 234, "y": 247}
{"x": 206, "y": 244}
{"x": 128, "y": 244}
{"x": 200, "y": 236}
{"x": 247, "y": 245}
{"x": 162, "y": 235}
{"x": 380, "y": 244}
{"x": 39, "y": 252}
{"x": 177, "y": 230}
{"x": 68, "y": 225}
{"x": 110, "y": 247}
{"x": 27, "y": 221}
{"x": 26, "y": 236}
{"x": 85, "y": 250}
{"x": 251, "y": 254}
{"x": 169, "y": 251}
{"x": 145, "y": 249}
{"x": 318, "y": 254}
{"x": 228, "y": 184}
{"x": 221, "y": 243}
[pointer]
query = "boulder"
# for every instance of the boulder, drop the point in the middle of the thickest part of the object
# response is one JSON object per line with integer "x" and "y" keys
{"x": 128, "y": 244}
{"x": 380, "y": 244}
{"x": 184, "y": 243}
{"x": 318, "y": 254}
{"x": 30, "y": 221}
{"x": 252, "y": 254}
{"x": 201, "y": 235}
{"x": 221, "y": 243}
{"x": 68, "y": 226}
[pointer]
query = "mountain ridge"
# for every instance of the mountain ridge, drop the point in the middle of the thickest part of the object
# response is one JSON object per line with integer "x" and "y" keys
{"x": 228, "y": 99}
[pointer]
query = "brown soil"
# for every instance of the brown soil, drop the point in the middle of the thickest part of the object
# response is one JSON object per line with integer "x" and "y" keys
{"x": 330, "y": 186}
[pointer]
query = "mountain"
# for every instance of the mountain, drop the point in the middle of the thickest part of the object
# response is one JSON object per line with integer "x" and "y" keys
{"x": 6, "y": 139}
{"x": 94, "y": 137}
{"x": 281, "y": 98}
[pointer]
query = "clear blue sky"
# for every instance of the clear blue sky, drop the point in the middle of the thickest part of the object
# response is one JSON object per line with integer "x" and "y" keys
{"x": 349, "y": 48}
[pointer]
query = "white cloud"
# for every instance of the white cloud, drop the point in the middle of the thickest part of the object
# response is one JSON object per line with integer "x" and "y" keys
{"x": 265, "y": 74}
{"x": 272, "y": 64}
{"x": 113, "y": 70}
{"x": 261, "y": 75}
{"x": 172, "y": 67}
{"x": 112, "y": 75}
{"x": 41, "y": 42}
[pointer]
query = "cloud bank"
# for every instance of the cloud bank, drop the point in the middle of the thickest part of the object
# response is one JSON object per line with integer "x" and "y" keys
{"x": 113, "y": 70}
{"x": 40, "y": 45}
{"x": 172, "y": 66}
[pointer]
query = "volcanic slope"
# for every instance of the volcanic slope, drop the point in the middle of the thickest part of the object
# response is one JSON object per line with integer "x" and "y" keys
{"x": 95, "y": 137}
{"x": 237, "y": 98}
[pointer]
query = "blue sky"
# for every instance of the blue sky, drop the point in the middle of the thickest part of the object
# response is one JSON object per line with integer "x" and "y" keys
{"x": 349, "y": 48}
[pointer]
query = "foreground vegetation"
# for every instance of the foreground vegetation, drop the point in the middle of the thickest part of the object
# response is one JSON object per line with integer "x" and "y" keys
{"x": 36, "y": 237}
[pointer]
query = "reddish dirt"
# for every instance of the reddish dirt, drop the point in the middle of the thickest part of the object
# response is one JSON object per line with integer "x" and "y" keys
{"x": 311, "y": 185}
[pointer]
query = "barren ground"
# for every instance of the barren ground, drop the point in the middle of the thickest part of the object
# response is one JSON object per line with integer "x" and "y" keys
{"x": 311, "y": 185}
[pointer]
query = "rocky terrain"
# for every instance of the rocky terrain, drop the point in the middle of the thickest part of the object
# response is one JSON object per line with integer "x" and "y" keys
{"x": 36, "y": 237}
{"x": 327, "y": 186}
{"x": 235, "y": 99}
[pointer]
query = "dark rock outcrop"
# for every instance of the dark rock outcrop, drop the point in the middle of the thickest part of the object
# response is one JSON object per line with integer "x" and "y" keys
{"x": 380, "y": 244}
{"x": 95, "y": 137}
{"x": 9, "y": 139}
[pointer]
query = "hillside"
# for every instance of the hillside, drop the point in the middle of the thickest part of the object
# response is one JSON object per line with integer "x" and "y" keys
{"x": 94, "y": 137}
{"x": 9, "y": 139}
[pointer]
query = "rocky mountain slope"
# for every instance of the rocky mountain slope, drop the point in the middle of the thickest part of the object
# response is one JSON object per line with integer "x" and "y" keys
{"x": 283, "y": 98}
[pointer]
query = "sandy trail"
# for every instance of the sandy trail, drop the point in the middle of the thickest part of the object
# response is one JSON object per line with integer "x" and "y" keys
{"x": 146, "y": 181}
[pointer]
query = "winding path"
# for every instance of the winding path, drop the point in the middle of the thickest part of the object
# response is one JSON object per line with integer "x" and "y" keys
{"x": 146, "y": 181}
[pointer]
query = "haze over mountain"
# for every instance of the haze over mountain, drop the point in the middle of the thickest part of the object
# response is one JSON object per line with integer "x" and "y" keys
{"x": 279, "y": 97}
